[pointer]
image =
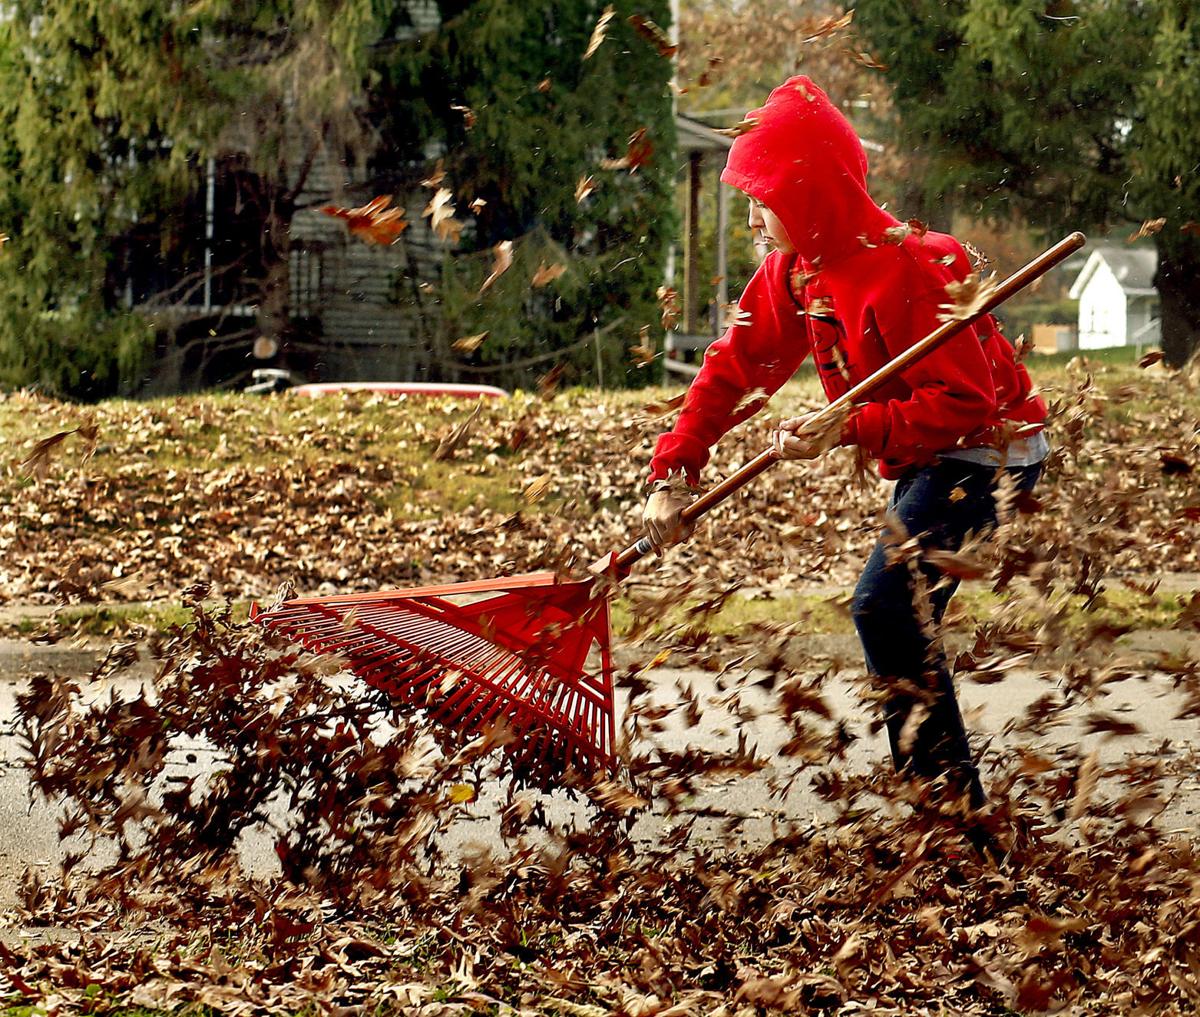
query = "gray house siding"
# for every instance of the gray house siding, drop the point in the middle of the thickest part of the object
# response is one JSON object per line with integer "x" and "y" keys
{"x": 357, "y": 306}
{"x": 361, "y": 295}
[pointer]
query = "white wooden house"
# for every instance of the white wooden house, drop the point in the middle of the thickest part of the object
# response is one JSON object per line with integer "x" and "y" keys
{"x": 1118, "y": 305}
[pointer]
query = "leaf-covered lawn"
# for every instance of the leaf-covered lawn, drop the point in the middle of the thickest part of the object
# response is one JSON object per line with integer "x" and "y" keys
{"x": 660, "y": 890}
{"x": 348, "y": 494}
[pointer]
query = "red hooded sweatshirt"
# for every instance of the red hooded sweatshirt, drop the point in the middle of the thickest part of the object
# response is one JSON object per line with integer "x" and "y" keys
{"x": 855, "y": 296}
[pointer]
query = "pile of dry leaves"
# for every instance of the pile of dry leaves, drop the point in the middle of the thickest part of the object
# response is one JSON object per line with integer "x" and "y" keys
{"x": 356, "y": 498}
{"x": 880, "y": 903}
{"x": 656, "y": 890}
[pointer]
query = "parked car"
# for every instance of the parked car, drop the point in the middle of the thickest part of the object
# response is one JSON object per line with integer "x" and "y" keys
{"x": 271, "y": 379}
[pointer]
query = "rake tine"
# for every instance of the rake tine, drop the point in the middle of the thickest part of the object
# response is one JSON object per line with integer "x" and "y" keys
{"x": 519, "y": 655}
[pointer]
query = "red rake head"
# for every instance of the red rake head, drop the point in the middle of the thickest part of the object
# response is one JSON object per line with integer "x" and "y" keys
{"x": 518, "y": 657}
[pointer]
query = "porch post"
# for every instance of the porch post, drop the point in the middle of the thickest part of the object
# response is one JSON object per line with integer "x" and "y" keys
{"x": 691, "y": 255}
{"x": 722, "y": 255}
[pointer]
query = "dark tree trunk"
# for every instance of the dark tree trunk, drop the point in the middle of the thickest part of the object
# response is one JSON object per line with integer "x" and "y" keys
{"x": 1179, "y": 299}
{"x": 274, "y": 311}
{"x": 273, "y": 316}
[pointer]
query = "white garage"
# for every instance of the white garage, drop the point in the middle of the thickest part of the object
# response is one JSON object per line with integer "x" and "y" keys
{"x": 1118, "y": 305}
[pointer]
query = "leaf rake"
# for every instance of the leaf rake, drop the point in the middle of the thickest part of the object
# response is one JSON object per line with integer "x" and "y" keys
{"x": 527, "y": 659}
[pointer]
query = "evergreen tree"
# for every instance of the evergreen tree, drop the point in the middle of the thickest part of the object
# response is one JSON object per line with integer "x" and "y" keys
{"x": 1071, "y": 113}
{"x": 521, "y": 118}
{"x": 112, "y": 113}
{"x": 109, "y": 110}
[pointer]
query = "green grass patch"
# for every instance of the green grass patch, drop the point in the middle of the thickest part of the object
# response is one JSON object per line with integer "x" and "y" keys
{"x": 821, "y": 614}
{"x": 30, "y": 1010}
{"x": 113, "y": 621}
{"x": 1113, "y": 356}
{"x": 738, "y": 613}
{"x": 445, "y": 487}
{"x": 973, "y": 605}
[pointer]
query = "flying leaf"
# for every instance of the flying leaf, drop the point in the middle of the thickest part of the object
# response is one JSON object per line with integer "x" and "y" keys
{"x": 583, "y": 188}
{"x": 967, "y": 298}
{"x": 537, "y": 489}
{"x": 1041, "y": 930}
{"x": 1110, "y": 726}
{"x": 709, "y": 74}
{"x": 477, "y": 205}
{"x": 898, "y": 234}
{"x": 1191, "y": 227}
{"x": 978, "y": 257}
{"x": 668, "y": 300}
{"x": 830, "y": 25}
{"x": 802, "y": 276}
{"x": 468, "y": 115}
{"x": 89, "y": 431}
{"x": 638, "y": 151}
{"x": 1085, "y": 784}
{"x": 614, "y": 796}
{"x": 1151, "y": 358}
{"x": 733, "y": 316}
{"x": 958, "y": 564}
{"x": 436, "y": 177}
{"x": 468, "y": 343}
{"x": 866, "y": 60}
{"x": 548, "y": 382}
{"x": 126, "y": 585}
{"x": 373, "y": 222}
{"x": 664, "y": 407}
{"x": 1148, "y": 229}
{"x": 458, "y": 435}
{"x": 440, "y": 211}
{"x": 654, "y": 35}
{"x": 502, "y": 263}
{"x": 740, "y": 128}
{"x": 1173, "y": 465}
{"x": 598, "y": 33}
{"x": 546, "y": 274}
{"x": 750, "y": 398}
{"x": 807, "y": 95}
{"x": 37, "y": 463}
{"x": 642, "y": 355}
{"x": 462, "y": 794}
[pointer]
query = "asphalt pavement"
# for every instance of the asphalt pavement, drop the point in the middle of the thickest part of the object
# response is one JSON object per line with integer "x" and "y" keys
{"x": 28, "y": 831}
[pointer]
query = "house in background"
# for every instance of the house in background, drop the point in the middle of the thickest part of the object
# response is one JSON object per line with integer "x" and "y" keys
{"x": 704, "y": 305}
{"x": 355, "y": 311}
{"x": 704, "y": 148}
{"x": 347, "y": 316}
{"x": 1118, "y": 305}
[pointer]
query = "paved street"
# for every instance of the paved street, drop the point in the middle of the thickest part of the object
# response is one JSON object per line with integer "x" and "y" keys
{"x": 28, "y": 834}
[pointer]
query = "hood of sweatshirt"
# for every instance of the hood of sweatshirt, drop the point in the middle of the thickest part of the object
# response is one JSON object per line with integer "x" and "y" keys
{"x": 803, "y": 160}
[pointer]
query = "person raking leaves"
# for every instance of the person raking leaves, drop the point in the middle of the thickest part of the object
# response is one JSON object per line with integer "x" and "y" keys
{"x": 851, "y": 285}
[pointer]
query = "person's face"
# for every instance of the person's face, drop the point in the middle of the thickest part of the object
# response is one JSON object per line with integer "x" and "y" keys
{"x": 766, "y": 225}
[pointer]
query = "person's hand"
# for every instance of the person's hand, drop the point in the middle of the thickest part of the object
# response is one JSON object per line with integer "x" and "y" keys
{"x": 810, "y": 436}
{"x": 661, "y": 515}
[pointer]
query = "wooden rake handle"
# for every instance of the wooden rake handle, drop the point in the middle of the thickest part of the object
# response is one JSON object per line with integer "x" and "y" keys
{"x": 620, "y": 562}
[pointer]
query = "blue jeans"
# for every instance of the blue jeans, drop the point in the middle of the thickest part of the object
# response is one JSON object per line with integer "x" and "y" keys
{"x": 940, "y": 504}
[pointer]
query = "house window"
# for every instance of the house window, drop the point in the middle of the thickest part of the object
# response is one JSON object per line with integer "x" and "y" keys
{"x": 201, "y": 255}
{"x": 304, "y": 277}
